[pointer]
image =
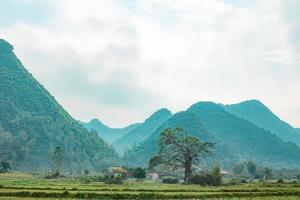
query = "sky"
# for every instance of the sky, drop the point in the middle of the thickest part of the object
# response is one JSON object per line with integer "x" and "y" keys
{"x": 121, "y": 60}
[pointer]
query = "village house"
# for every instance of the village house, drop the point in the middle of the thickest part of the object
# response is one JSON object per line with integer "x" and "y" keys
{"x": 114, "y": 172}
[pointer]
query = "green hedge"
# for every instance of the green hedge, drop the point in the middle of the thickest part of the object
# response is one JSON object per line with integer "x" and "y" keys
{"x": 143, "y": 195}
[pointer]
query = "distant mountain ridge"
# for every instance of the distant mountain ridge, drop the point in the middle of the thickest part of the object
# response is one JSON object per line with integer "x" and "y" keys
{"x": 108, "y": 134}
{"x": 237, "y": 139}
{"x": 260, "y": 115}
{"x": 245, "y": 138}
{"x": 142, "y": 132}
{"x": 32, "y": 124}
{"x": 140, "y": 155}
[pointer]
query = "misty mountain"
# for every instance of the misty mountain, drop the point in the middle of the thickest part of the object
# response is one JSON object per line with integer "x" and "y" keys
{"x": 140, "y": 155}
{"x": 32, "y": 124}
{"x": 244, "y": 138}
{"x": 236, "y": 139}
{"x": 139, "y": 134}
{"x": 260, "y": 115}
{"x": 108, "y": 134}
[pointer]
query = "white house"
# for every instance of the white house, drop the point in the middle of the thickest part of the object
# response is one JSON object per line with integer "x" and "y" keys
{"x": 153, "y": 176}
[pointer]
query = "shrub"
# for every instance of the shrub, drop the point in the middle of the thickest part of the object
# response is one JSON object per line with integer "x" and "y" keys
{"x": 198, "y": 179}
{"x": 244, "y": 181}
{"x": 54, "y": 175}
{"x": 114, "y": 180}
{"x": 170, "y": 180}
{"x": 65, "y": 193}
{"x": 213, "y": 178}
{"x": 280, "y": 180}
{"x": 85, "y": 180}
{"x": 4, "y": 167}
{"x": 89, "y": 179}
{"x": 139, "y": 173}
{"x": 98, "y": 178}
{"x": 238, "y": 169}
{"x": 236, "y": 181}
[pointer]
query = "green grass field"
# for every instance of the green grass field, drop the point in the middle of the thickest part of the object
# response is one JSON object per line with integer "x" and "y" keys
{"x": 20, "y": 186}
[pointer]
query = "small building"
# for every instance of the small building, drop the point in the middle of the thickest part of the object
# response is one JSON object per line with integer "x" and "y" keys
{"x": 152, "y": 176}
{"x": 224, "y": 173}
{"x": 116, "y": 172}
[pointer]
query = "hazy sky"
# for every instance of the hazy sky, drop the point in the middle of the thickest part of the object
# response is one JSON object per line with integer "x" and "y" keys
{"x": 120, "y": 60}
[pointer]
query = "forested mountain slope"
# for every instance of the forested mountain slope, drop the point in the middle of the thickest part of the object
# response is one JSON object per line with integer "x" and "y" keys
{"x": 236, "y": 139}
{"x": 244, "y": 138}
{"x": 33, "y": 124}
{"x": 138, "y": 135}
{"x": 140, "y": 155}
{"x": 257, "y": 113}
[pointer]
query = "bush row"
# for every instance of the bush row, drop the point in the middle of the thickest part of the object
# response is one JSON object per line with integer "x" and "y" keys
{"x": 181, "y": 190}
{"x": 152, "y": 195}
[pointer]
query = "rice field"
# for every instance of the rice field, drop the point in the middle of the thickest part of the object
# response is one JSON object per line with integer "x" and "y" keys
{"x": 21, "y": 186}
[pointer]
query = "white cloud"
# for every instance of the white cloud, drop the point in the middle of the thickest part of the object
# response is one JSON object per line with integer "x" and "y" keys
{"x": 120, "y": 60}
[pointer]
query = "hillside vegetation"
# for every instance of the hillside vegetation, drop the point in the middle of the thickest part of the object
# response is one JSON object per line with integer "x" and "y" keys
{"x": 139, "y": 134}
{"x": 260, "y": 115}
{"x": 32, "y": 124}
{"x": 236, "y": 139}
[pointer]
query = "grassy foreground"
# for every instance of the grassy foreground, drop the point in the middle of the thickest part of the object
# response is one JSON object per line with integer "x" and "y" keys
{"x": 29, "y": 187}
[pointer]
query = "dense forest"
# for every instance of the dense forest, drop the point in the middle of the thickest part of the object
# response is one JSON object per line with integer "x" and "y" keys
{"x": 236, "y": 139}
{"x": 257, "y": 113}
{"x": 32, "y": 124}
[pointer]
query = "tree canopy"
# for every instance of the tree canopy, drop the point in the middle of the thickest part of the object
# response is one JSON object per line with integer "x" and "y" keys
{"x": 139, "y": 173}
{"x": 178, "y": 150}
{"x": 4, "y": 166}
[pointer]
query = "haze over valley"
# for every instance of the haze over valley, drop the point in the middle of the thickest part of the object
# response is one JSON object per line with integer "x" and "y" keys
{"x": 150, "y": 99}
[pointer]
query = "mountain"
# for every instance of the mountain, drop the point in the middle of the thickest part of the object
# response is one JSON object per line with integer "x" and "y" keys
{"x": 140, "y": 133}
{"x": 236, "y": 139}
{"x": 108, "y": 134}
{"x": 245, "y": 138}
{"x": 33, "y": 124}
{"x": 257, "y": 113}
{"x": 140, "y": 155}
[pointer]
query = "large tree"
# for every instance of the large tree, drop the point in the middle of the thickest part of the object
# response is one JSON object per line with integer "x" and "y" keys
{"x": 58, "y": 160}
{"x": 178, "y": 150}
{"x": 4, "y": 167}
{"x": 251, "y": 167}
{"x": 139, "y": 173}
